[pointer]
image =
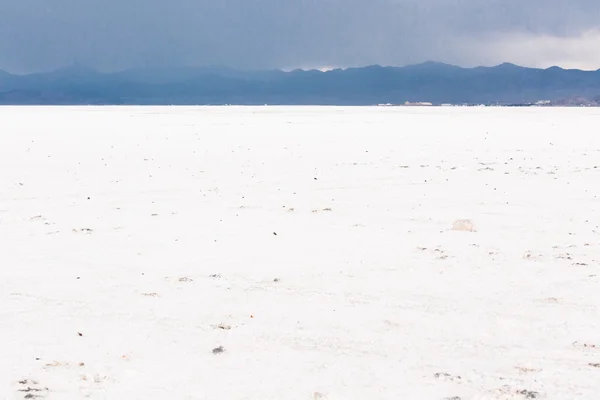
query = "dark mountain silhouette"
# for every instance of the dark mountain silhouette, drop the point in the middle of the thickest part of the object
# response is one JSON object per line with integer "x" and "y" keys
{"x": 431, "y": 82}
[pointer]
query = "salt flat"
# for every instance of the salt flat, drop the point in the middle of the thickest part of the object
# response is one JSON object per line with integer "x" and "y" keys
{"x": 299, "y": 253}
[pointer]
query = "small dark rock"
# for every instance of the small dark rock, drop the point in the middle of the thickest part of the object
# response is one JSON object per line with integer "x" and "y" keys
{"x": 218, "y": 350}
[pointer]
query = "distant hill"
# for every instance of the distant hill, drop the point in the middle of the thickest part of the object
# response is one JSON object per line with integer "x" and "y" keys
{"x": 428, "y": 82}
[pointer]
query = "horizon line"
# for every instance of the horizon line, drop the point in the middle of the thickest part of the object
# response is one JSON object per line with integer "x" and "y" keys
{"x": 323, "y": 69}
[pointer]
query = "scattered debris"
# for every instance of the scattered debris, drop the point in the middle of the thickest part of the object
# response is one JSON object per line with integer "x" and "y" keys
{"x": 215, "y": 276}
{"x": 586, "y": 345}
{"x": 54, "y": 364}
{"x": 186, "y": 279}
{"x": 507, "y": 392}
{"x": 595, "y": 365}
{"x": 152, "y": 294}
{"x": 83, "y": 230}
{"x": 446, "y": 376}
{"x": 31, "y": 388}
{"x": 527, "y": 370}
{"x": 224, "y": 327}
{"x": 529, "y": 394}
{"x": 529, "y": 255}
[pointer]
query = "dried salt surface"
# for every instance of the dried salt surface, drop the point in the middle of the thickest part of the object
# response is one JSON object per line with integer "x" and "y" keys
{"x": 137, "y": 240}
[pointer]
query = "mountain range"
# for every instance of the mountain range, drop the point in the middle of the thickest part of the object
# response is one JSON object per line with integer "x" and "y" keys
{"x": 433, "y": 82}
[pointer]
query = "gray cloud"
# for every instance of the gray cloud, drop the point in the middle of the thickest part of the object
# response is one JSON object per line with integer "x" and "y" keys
{"x": 116, "y": 34}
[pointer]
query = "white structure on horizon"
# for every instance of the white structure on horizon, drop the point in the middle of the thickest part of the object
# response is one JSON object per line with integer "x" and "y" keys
{"x": 418, "y": 103}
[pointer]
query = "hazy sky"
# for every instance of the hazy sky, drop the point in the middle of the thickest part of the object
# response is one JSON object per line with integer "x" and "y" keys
{"x": 40, "y": 35}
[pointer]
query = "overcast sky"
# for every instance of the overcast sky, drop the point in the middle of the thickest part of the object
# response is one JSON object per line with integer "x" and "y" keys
{"x": 37, "y": 35}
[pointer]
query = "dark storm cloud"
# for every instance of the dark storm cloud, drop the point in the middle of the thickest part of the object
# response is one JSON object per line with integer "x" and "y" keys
{"x": 117, "y": 34}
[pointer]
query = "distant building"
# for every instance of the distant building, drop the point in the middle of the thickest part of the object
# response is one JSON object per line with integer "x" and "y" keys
{"x": 418, "y": 103}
